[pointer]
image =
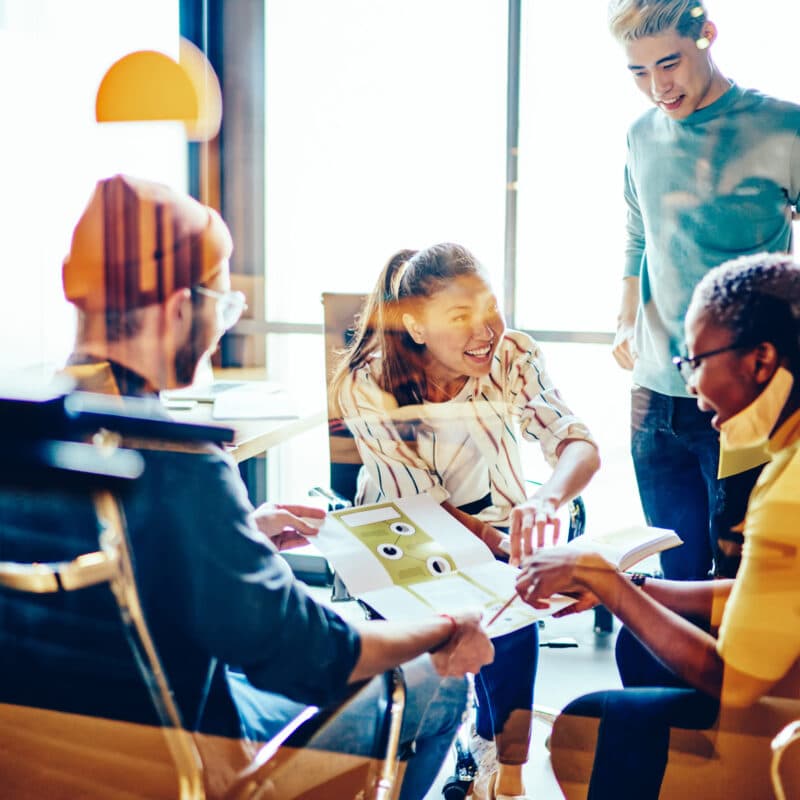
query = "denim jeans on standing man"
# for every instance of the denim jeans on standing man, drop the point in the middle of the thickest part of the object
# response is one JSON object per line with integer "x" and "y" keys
{"x": 675, "y": 456}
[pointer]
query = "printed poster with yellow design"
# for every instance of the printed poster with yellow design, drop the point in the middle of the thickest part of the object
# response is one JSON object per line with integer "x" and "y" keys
{"x": 409, "y": 558}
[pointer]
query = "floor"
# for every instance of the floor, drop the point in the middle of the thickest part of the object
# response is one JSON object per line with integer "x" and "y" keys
{"x": 563, "y": 674}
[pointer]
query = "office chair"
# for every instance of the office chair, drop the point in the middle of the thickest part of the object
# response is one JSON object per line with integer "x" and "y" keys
{"x": 37, "y": 457}
{"x": 789, "y": 736}
{"x": 85, "y": 596}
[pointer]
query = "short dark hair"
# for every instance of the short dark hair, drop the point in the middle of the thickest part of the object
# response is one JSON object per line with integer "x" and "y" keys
{"x": 757, "y": 298}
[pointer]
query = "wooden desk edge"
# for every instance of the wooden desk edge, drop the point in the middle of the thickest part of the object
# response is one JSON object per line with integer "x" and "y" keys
{"x": 261, "y": 442}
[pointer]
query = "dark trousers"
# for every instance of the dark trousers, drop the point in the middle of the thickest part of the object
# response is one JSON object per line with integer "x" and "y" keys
{"x": 634, "y": 731}
{"x": 675, "y": 456}
{"x": 506, "y": 685}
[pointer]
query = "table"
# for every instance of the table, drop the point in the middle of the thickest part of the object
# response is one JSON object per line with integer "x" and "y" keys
{"x": 252, "y": 437}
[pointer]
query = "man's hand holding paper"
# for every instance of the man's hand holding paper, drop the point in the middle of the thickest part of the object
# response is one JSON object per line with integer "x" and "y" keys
{"x": 288, "y": 525}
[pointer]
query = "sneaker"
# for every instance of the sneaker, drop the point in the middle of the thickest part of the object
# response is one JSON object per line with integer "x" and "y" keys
{"x": 484, "y": 752}
{"x": 487, "y": 791}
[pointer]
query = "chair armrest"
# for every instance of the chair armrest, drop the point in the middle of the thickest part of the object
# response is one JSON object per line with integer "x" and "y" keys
{"x": 266, "y": 770}
{"x": 787, "y": 736}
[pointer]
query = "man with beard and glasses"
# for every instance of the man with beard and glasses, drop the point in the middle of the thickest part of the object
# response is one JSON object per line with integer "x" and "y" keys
{"x": 148, "y": 273}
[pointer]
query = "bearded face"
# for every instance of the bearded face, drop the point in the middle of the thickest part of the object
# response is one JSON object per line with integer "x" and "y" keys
{"x": 201, "y": 340}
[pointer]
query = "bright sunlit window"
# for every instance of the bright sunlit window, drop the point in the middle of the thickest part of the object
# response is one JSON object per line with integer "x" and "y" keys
{"x": 386, "y": 129}
{"x": 52, "y": 56}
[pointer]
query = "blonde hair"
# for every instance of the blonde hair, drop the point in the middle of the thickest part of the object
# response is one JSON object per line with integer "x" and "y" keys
{"x": 629, "y": 20}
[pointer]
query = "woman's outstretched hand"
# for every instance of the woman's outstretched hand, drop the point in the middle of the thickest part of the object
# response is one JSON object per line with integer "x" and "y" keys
{"x": 529, "y": 523}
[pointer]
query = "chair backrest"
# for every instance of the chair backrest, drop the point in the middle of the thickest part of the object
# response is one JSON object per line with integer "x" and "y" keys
{"x": 786, "y": 780}
{"x": 72, "y": 619}
{"x": 71, "y": 612}
{"x": 339, "y": 313}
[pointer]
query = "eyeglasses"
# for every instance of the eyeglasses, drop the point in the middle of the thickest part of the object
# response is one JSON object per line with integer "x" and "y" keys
{"x": 687, "y": 366}
{"x": 230, "y": 305}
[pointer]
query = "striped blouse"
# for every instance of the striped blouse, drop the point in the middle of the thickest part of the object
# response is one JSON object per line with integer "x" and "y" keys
{"x": 398, "y": 445}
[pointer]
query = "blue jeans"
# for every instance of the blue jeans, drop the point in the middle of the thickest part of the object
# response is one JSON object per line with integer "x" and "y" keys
{"x": 633, "y": 737}
{"x": 675, "y": 456}
{"x": 434, "y": 711}
{"x": 506, "y": 685}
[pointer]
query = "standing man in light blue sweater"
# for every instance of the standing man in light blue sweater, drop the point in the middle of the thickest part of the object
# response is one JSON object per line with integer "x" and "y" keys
{"x": 713, "y": 172}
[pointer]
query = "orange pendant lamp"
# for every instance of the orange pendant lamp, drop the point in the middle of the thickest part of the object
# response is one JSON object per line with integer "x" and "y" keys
{"x": 149, "y": 85}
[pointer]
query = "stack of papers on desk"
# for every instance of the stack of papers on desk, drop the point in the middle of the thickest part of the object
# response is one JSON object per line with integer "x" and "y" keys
{"x": 200, "y": 392}
{"x": 255, "y": 400}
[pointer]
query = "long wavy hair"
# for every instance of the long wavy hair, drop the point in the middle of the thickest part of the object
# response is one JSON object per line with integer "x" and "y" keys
{"x": 407, "y": 280}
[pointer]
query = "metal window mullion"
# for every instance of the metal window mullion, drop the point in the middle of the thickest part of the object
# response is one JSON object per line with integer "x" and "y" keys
{"x": 512, "y": 152}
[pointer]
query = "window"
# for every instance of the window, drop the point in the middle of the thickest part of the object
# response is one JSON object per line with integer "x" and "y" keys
{"x": 386, "y": 129}
{"x": 53, "y": 151}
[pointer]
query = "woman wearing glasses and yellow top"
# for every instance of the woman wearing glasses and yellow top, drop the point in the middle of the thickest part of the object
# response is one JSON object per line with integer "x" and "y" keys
{"x": 699, "y": 654}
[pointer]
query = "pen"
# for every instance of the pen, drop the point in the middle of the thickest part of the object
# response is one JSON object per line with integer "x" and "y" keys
{"x": 502, "y": 609}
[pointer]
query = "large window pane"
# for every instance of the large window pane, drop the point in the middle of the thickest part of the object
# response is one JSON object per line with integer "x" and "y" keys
{"x": 598, "y": 394}
{"x": 575, "y": 105}
{"x": 577, "y": 101}
{"x": 53, "y": 55}
{"x": 385, "y": 129}
{"x": 298, "y": 361}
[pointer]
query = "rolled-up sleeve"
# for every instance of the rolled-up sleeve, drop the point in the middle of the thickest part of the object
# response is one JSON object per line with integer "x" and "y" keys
{"x": 385, "y": 436}
{"x": 543, "y": 415}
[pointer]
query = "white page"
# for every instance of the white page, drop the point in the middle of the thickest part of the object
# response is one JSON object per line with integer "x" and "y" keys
{"x": 636, "y": 542}
{"x": 255, "y": 400}
{"x": 358, "y": 566}
{"x": 455, "y": 593}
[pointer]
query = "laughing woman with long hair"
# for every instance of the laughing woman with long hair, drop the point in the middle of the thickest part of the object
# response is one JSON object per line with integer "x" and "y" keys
{"x": 438, "y": 396}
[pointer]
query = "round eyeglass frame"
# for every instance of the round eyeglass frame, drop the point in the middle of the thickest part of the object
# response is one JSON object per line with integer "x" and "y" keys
{"x": 230, "y": 305}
